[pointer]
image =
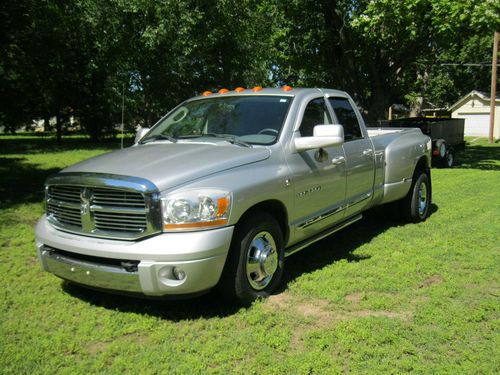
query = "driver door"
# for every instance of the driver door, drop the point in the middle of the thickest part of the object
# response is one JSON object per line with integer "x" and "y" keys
{"x": 319, "y": 177}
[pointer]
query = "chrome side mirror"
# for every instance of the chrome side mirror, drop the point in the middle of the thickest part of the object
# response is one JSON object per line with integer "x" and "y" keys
{"x": 324, "y": 136}
{"x": 140, "y": 133}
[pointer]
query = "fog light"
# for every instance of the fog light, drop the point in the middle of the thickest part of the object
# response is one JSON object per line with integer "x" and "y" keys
{"x": 179, "y": 274}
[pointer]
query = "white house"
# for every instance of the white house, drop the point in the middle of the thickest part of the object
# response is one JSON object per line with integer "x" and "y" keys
{"x": 475, "y": 109}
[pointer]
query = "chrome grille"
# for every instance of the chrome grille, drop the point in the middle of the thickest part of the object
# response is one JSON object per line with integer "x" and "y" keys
{"x": 120, "y": 222}
{"x": 106, "y": 197}
{"x": 102, "y": 211}
{"x": 63, "y": 205}
{"x": 69, "y": 194}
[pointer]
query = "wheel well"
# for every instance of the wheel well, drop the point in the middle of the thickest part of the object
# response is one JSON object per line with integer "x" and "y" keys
{"x": 274, "y": 208}
{"x": 423, "y": 164}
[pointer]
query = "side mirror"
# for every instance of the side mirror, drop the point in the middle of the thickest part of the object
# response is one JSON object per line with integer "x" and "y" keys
{"x": 324, "y": 136}
{"x": 140, "y": 133}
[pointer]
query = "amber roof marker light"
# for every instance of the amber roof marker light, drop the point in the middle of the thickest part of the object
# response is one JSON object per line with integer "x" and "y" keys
{"x": 207, "y": 93}
{"x": 223, "y": 91}
{"x": 257, "y": 88}
{"x": 287, "y": 88}
{"x": 239, "y": 89}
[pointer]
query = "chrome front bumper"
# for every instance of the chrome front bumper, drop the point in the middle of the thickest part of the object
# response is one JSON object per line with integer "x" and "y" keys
{"x": 144, "y": 266}
{"x": 89, "y": 273}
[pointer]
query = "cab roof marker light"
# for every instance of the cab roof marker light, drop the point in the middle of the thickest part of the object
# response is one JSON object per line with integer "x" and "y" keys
{"x": 287, "y": 88}
{"x": 257, "y": 88}
{"x": 223, "y": 91}
{"x": 207, "y": 93}
{"x": 239, "y": 89}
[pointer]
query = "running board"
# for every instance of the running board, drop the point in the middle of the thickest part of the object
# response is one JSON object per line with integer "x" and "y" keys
{"x": 301, "y": 245}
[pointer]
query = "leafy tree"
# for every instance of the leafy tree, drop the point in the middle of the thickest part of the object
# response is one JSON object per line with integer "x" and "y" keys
{"x": 79, "y": 57}
{"x": 381, "y": 51}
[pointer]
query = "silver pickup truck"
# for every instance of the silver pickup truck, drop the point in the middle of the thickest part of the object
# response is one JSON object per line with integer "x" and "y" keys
{"x": 222, "y": 189}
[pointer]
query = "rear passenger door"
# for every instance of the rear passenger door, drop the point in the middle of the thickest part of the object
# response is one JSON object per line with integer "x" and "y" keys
{"x": 359, "y": 154}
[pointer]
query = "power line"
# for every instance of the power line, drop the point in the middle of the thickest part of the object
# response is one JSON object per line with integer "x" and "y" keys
{"x": 465, "y": 64}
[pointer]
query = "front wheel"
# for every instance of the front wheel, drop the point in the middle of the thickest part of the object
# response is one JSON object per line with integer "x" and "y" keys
{"x": 416, "y": 205}
{"x": 255, "y": 262}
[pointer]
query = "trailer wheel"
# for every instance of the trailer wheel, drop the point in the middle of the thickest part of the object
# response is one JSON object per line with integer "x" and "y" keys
{"x": 415, "y": 207}
{"x": 255, "y": 262}
{"x": 441, "y": 146}
{"x": 449, "y": 159}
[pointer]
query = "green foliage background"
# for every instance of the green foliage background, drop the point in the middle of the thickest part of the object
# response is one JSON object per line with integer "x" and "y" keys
{"x": 62, "y": 58}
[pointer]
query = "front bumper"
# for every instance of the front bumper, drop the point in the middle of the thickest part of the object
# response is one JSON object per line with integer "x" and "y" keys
{"x": 144, "y": 266}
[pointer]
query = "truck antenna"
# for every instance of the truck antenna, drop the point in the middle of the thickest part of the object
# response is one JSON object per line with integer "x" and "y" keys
{"x": 123, "y": 112}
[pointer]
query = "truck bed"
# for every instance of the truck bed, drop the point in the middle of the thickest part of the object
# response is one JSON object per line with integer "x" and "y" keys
{"x": 375, "y": 132}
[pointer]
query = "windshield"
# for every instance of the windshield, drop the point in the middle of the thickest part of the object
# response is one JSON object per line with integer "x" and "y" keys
{"x": 249, "y": 119}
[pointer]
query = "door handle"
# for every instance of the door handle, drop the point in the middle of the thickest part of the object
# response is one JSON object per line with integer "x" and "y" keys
{"x": 338, "y": 160}
{"x": 367, "y": 152}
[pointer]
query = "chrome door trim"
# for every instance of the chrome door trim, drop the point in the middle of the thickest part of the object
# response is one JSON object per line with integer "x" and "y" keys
{"x": 302, "y": 245}
{"x": 320, "y": 217}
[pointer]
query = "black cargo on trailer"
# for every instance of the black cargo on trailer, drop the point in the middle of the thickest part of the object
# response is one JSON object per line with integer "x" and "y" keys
{"x": 447, "y": 135}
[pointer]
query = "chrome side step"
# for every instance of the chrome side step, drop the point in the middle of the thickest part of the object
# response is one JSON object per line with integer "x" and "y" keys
{"x": 301, "y": 245}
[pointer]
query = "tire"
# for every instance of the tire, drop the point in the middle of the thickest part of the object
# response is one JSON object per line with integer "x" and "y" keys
{"x": 254, "y": 266}
{"x": 449, "y": 159}
{"x": 415, "y": 207}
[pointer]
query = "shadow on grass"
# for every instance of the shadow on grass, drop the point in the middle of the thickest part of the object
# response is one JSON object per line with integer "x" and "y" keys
{"x": 21, "y": 182}
{"x": 338, "y": 246}
{"x": 342, "y": 245}
{"x": 479, "y": 157}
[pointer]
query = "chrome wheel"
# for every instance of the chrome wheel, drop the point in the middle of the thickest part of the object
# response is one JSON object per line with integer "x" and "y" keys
{"x": 449, "y": 159}
{"x": 422, "y": 198}
{"x": 442, "y": 150}
{"x": 262, "y": 260}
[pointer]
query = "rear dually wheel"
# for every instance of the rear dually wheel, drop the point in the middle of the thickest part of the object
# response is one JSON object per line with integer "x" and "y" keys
{"x": 415, "y": 207}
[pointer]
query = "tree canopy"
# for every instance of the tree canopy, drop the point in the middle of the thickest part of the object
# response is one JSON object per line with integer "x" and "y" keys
{"x": 78, "y": 57}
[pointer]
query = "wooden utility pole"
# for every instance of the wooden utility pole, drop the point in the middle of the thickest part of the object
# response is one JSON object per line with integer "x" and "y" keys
{"x": 493, "y": 95}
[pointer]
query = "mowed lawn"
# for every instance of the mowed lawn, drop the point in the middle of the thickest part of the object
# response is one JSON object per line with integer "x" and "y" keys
{"x": 381, "y": 296}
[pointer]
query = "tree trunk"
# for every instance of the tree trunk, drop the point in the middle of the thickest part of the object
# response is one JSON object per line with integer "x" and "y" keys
{"x": 416, "y": 106}
{"x": 46, "y": 123}
{"x": 58, "y": 128}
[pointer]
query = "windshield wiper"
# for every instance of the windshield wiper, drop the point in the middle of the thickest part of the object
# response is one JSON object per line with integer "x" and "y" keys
{"x": 227, "y": 137}
{"x": 235, "y": 141}
{"x": 160, "y": 137}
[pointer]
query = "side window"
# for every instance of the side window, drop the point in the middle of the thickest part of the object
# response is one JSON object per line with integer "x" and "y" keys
{"x": 347, "y": 118}
{"x": 315, "y": 113}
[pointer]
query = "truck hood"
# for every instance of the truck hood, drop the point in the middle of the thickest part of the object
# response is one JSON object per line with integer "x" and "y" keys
{"x": 171, "y": 164}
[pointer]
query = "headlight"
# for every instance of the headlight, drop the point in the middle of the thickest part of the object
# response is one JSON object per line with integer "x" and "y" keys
{"x": 195, "y": 209}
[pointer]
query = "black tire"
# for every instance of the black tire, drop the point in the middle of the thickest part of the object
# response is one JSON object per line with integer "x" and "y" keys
{"x": 240, "y": 287}
{"x": 449, "y": 159}
{"x": 415, "y": 207}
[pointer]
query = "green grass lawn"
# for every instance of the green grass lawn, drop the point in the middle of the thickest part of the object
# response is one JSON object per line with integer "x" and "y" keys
{"x": 380, "y": 296}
